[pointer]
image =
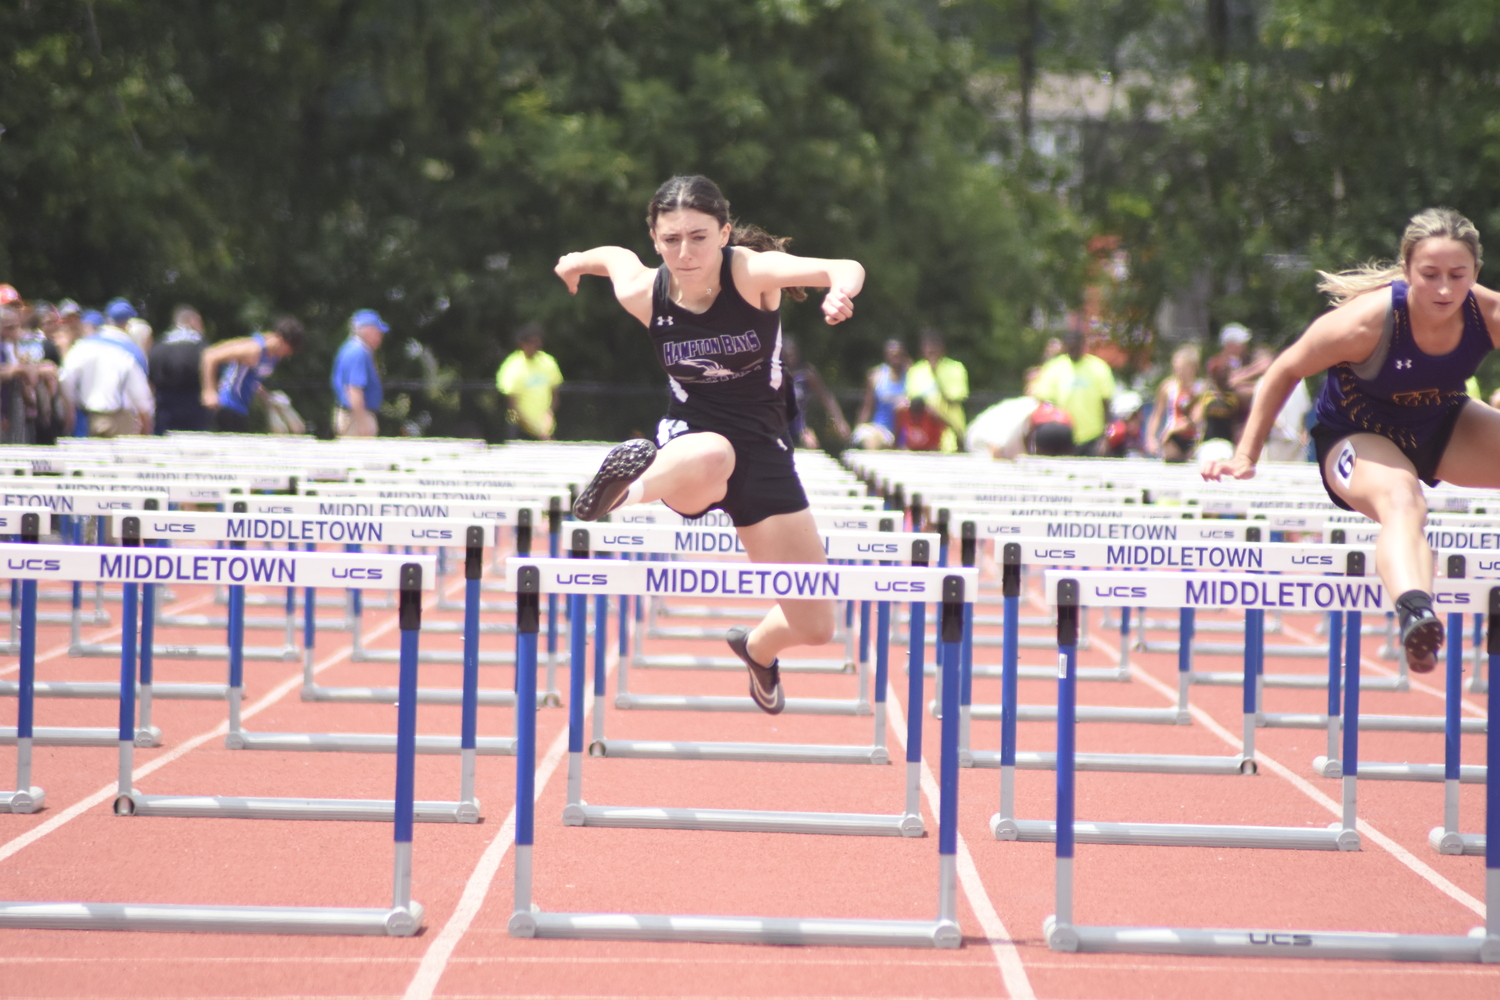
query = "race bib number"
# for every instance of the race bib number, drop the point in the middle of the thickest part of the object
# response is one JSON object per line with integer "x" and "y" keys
{"x": 1343, "y": 466}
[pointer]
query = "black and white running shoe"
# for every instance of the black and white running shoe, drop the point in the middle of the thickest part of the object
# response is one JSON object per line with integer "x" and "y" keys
{"x": 765, "y": 682}
{"x": 622, "y": 466}
{"x": 1422, "y": 636}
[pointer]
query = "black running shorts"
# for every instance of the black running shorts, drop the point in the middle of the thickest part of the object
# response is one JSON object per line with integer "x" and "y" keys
{"x": 1425, "y": 458}
{"x": 763, "y": 484}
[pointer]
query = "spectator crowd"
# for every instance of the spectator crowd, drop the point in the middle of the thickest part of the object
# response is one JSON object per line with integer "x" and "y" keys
{"x": 67, "y": 370}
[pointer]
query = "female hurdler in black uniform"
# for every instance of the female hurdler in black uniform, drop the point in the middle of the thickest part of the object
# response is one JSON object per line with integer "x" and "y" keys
{"x": 1398, "y": 346}
{"x": 712, "y": 310}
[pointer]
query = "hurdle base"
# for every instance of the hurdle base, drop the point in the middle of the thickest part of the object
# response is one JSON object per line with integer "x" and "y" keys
{"x": 494, "y": 659}
{"x": 1455, "y": 843}
{"x": 743, "y": 821}
{"x": 1086, "y": 713}
{"x": 1284, "y": 838}
{"x": 1475, "y": 947}
{"x": 717, "y": 703}
{"x": 1371, "y": 723}
{"x": 272, "y": 654}
{"x": 807, "y": 753}
{"x": 23, "y": 802}
{"x": 1469, "y": 774}
{"x": 735, "y": 664}
{"x": 1134, "y": 763}
{"x": 388, "y": 696}
{"x": 396, "y": 922}
{"x": 1366, "y": 682}
{"x": 107, "y": 690}
{"x": 485, "y": 746}
{"x": 80, "y": 736}
{"x": 253, "y": 807}
{"x": 737, "y": 930}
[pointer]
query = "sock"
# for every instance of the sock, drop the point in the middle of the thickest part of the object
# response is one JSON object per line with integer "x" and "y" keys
{"x": 1414, "y": 604}
{"x": 633, "y": 494}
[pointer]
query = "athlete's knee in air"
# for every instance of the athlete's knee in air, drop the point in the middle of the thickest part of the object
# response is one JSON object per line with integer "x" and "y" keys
{"x": 1406, "y": 504}
{"x": 717, "y": 462}
{"x": 817, "y": 627}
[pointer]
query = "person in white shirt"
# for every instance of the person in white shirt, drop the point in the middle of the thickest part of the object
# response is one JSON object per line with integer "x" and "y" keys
{"x": 104, "y": 378}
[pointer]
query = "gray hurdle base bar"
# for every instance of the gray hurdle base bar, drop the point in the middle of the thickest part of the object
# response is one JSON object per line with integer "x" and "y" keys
{"x": 402, "y": 918}
{"x": 529, "y": 920}
{"x": 1063, "y": 933}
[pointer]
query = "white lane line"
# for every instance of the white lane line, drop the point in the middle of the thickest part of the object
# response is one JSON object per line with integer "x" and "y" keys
{"x": 1367, "y": 663}
{"x": 1307, "y": 788}
{"x": 57, "y": 651}
{"x": 435, "y": 961}
{"x": 110, "y": 790}
{"x": 1007, "y": 957}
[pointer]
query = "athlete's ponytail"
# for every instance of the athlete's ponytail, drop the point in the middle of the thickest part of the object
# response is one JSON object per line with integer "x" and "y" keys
{"x": 1341, "y": 286}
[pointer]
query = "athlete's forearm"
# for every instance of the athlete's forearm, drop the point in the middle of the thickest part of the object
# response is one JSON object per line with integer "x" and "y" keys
{"x": 604, "y": 262}
{"x": 1270, "y": 396}
{"x": 846, "y": 275}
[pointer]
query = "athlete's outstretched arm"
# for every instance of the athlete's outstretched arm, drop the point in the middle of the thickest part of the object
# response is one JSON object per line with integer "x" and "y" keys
{"x": 774, "y": 270}
{"x": 1348, "y": 333}
{"x": 631, "y": 278}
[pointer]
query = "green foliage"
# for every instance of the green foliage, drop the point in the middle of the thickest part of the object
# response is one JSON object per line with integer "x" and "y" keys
{"x": 433, "y": 161}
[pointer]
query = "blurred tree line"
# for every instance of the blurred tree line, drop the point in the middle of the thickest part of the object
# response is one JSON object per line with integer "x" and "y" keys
{"x": 432, "y": 161}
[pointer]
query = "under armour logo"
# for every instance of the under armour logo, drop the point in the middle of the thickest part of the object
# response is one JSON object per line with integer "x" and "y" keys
{"x": 664, "y": 320}
{"x": 1403, "y": 364}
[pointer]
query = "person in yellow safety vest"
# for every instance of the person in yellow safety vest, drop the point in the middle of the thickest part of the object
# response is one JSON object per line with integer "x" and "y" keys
{"x": 529, "y": 379}
{"x": 943, "y": 384}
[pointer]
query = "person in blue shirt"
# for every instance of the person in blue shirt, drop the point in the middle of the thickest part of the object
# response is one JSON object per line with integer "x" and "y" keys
{"x": 356, "y": 382}
{"x": 246, "y": 362}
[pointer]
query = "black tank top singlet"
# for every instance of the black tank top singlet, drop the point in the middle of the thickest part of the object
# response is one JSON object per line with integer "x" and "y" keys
{"x": 723, "y": 365}
{"x": 1401, "y": 392}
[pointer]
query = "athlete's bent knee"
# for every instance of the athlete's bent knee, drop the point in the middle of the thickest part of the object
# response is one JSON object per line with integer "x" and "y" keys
{"x": 815, "y": 628}
{"x": 1403, "y": 504}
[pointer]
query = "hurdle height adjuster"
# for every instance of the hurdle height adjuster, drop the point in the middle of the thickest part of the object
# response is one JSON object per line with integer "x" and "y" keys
{"x": 953, "y": 609}
{"x": 473, "y": 552}
{"x": 1010, "y": 580}
{"x": 1067, "y": 612}
{"x": 410, "y": 612}
{"x": 528, "y": 600}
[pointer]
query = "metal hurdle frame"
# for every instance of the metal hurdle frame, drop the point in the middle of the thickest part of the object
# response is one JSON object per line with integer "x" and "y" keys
{"x": 1451, "y": 723}
{"x": 1063, "y": 934}
{"x": 1447, "y": 839}
{"x": 578, "y": 813}
{"x": 403, "y": 918}
{"x": 26, "y": 798}
{"x": 528, "y": 920}
{"x": 601, "y": 746}
{"x": 131, "y": 802}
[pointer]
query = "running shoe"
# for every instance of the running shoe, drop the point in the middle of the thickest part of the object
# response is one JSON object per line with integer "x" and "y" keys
{"x": 622, "y": 466}
{"x": 1422, "y": 636}
{"x": 765, "y": 682}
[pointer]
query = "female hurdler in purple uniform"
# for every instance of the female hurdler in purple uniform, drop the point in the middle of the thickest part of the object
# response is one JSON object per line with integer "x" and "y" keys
{"x": 712, "y": 311}
{"x": 1398, "y": 346}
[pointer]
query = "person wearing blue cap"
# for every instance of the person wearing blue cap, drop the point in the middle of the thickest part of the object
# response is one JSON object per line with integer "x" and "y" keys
{"x": 356, "y": 382}
{"x": 104, "y": 378}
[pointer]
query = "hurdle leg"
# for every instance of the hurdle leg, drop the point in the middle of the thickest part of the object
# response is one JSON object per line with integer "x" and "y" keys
{"x": 147, "y": 735}
{"x": 554, "y": 544}
{"x": 882, "y": 674}
{"x": 1124, "y": 643}
{"x": 522, "y": 921}
{"x": 1491, "y": 952}
{"x": 410, "y": 619}
{"x": 1446, "y": 839}
{"x": 1254, "y": 638}
{"x": 956, "y": 613}
{"x": 468, "y": 805}
{"x": 1478, "y": 684}
{"x": 309, "y": 633}
{"x": 1058, "y": 928}
{"x": 235, "y": 740}
{"x": 1350, "y": 761}
{"x": 124, "y": 790}
{"x": 601, "y": 647}
{"x": 966, "y": 685}
{"x": 1187, "y": 618}
{"x": 1328, "y": 765}
{"x": 1003, "y": 823}
{"x": 26, "y": 798}
{"x": 622, "y": 668}
{"x": 851, "y": 659}
{"x": 915, "y": 657}
{"x": 578, "y": 610}
{"x": 75, "y": 625}
{"x": 864, "y": 653}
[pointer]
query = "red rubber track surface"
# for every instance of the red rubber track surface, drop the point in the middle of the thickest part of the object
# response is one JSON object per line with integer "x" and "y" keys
{"x": 97, "y": 856}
